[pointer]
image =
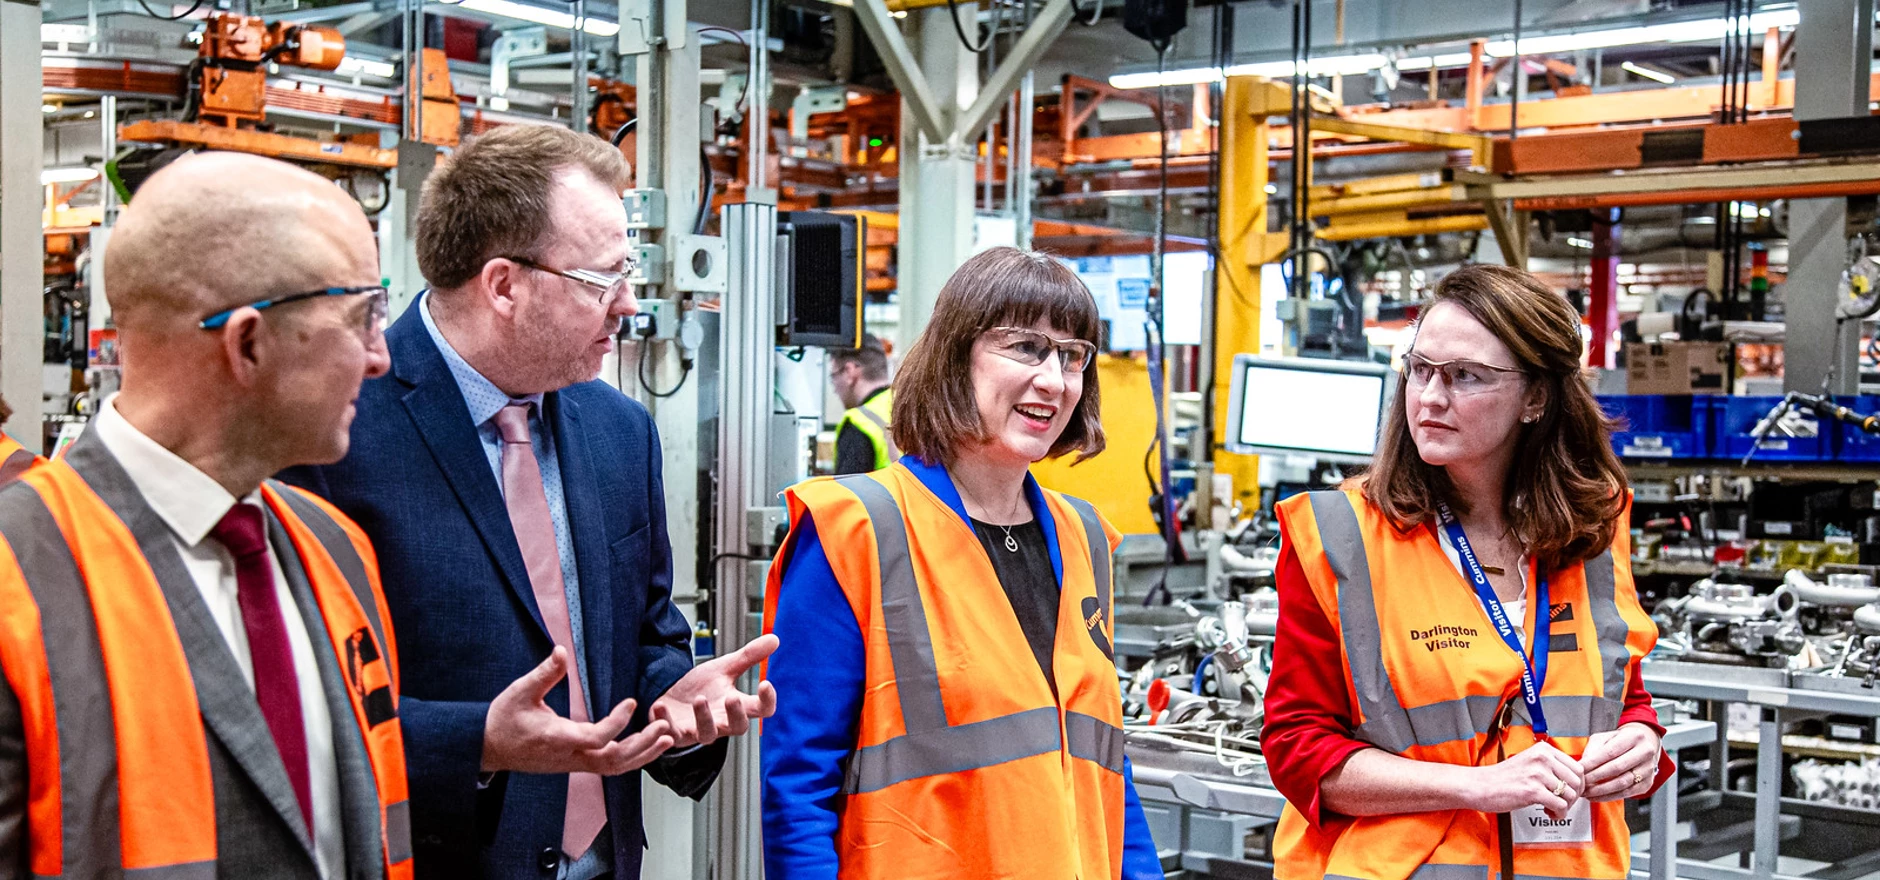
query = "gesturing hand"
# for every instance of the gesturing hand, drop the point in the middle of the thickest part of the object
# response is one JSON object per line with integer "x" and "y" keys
{"x": 1539, "y": 776}
{"x": 1620, "y": 763}
{"x": 706, "y": 704}
{"x": 523, "y": 734}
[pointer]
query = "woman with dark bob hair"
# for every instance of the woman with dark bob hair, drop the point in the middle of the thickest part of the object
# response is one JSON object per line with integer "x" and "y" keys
{"x": 1455, "y": 683}
{"x": 949, "y": 703}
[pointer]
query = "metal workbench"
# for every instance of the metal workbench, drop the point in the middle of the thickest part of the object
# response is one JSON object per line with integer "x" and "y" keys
{"x": 1779, "y": 696}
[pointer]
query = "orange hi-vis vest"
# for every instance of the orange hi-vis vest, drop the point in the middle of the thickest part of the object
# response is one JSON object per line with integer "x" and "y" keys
{"x": 118, "y": 761}
{"x": 965, "y": 763}
{"x": 1429, "y": 679}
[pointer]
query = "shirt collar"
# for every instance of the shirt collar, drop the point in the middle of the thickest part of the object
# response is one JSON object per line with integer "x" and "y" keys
{"x": 189, "y": 501}
{"x": 480, "y": 394}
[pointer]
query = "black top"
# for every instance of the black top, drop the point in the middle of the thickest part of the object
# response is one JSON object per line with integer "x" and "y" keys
{"x": 1029, "y": 584}
{"x": 855, "y": 453}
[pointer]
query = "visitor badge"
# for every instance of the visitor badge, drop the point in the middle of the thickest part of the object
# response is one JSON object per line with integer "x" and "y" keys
{"x": 1533, "y": 827}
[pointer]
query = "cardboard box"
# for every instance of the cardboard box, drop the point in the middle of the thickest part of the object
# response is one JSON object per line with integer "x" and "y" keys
{"x": 1677, "y": 367}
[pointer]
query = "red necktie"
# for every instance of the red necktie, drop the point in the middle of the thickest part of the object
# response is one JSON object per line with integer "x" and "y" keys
{"x": 535, "y": 535}
{"x": 276, "y": 687}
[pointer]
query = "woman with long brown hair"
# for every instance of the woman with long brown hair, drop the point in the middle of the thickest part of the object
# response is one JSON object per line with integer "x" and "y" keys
{"x": 1455, "y": 682}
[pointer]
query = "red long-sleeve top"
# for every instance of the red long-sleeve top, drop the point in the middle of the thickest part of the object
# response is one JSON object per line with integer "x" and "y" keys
{"x": 1308, "y": 699}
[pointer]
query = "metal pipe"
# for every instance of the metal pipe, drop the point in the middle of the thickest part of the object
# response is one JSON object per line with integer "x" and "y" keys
{"x": 578, "y": 90}
{"x": 758, "y": 144}
{"x": 1021, "y": 200}
{"x": 107, "y": 115}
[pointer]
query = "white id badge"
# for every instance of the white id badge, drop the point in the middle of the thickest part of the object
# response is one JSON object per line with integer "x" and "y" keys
{"x": 1534, "y": 828}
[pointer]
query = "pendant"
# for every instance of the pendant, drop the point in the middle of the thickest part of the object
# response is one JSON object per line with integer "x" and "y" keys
{"x": 1011, "y": 543}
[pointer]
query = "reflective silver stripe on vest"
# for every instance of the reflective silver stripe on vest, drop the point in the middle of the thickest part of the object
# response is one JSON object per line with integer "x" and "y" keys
{"x": 1385, "y": 724}
{"x": 189, "y": 871}
{"x": 910, "y": 643}
{"x": 1100, "y": 561}
{"x": 1610, "y": 627}
{"x": 887, "y": 433}
{"x": 398, "y": 832}
{"x": 953, "y": 750}
{"x": 1434, "y": 872}
{"x": 1095, "y": 740}
{"x": 338, "y": 545}
{"x": 81, "y": 690}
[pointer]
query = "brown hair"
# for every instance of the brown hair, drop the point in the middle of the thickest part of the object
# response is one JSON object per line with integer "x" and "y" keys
{"x": 872, "y": 355}
{"x": 934, "y": 409}
{"x": 1566, "y": 490}
{"x": 490, "y": 199}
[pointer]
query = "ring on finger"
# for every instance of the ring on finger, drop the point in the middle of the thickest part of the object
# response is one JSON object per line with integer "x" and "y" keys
{"x": 1636, "y": 778}
{"x": 1560, "y": 789}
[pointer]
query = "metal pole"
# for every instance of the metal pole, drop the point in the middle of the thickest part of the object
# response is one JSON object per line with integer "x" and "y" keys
{"x": 1021, "y": 198}
{"x": 758, "y": 146}
{"x": 1520, "y": 79}
{"x": 1767, "y": 835}
{"x": 108, "y": 145}
{"x": 578, "y": 90}
{"x": 746, "y": 384}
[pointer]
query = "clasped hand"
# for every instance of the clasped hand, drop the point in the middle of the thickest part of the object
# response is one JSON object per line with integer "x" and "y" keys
{"x": 1617, "y": 764}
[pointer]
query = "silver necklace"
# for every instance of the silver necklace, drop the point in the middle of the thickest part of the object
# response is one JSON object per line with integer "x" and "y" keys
{"x": 1011, "y": 543}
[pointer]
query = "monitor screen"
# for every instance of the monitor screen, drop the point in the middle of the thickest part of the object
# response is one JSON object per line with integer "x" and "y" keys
{"x": 1326, "y": 409}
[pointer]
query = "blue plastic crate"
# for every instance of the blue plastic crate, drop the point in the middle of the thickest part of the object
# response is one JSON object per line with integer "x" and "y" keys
{"x": 1659, "y": 426}
{"x": 1735, "y": 423}
{"x": 1853, "y": 444}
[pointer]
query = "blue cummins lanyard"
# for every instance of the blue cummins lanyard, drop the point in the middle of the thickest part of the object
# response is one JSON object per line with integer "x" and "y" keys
{"x": 1533, "y": 673}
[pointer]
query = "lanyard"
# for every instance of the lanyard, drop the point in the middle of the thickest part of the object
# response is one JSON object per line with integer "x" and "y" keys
{"x": 1534, "y": 672}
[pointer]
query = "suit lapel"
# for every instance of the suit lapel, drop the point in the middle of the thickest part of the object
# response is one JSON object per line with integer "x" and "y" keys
{"x": 227, "y": 702}
{"x": 593, "y": 563}
{"x": 436, "y": 406}
{"x": 358, "y": 791}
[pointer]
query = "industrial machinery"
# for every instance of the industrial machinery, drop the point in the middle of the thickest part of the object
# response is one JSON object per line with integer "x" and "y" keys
{"x": 1729, "y": 623}
{"x": 229, "y": 86}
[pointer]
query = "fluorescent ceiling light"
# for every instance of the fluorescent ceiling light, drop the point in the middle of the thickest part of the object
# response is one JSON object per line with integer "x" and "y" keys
{"x": 1547, "y": 44}
{"x": 1582, "y": 243}
{"x": 1649, "y": 73}
{"x": 367, "y": 66}
{"x": 539, "y": 15}
{"x": 66, "y": 175}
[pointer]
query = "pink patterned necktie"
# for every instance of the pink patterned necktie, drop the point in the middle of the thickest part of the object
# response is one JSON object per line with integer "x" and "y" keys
{"x": 276, "y": 687}
{"x": 535, "y": 534}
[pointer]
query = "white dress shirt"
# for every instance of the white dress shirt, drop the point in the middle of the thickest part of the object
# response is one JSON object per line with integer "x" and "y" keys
{"x": 190, "y": 502}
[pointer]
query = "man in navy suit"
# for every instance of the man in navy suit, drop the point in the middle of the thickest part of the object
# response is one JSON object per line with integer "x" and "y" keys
{"x": 519, "y": 513}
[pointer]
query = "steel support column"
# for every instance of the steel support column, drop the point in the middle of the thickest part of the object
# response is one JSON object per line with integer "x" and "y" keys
{"x": 1827, "y": 87}
{"x": 936, "y": 198}
{"x": 667, "y": 158}
{"x": 1602, "y": 310}
{"x": 22, "y": 284}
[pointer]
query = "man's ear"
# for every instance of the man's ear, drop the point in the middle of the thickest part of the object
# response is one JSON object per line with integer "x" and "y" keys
{"x": 501, "y": 284}
{"x": 245, "y": 345}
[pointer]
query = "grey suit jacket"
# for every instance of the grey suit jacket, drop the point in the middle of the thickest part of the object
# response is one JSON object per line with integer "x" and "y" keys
{"x": 258, "y": 827}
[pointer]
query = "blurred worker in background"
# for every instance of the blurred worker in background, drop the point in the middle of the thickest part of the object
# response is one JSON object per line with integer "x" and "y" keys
{"x": 950, "y": 701}
{"x": 520, "y": 515}
{"x": 860, "y": 379}
{"x": 1456, "y": 679}
{"x": 14, "y": 458}
{"x": 200, "y": 680}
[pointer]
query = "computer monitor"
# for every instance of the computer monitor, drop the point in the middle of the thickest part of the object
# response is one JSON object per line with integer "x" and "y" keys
{"x": 1326, "y": 409}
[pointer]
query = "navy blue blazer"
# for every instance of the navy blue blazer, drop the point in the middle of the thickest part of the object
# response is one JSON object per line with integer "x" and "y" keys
{"x": 465, "y": 618}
